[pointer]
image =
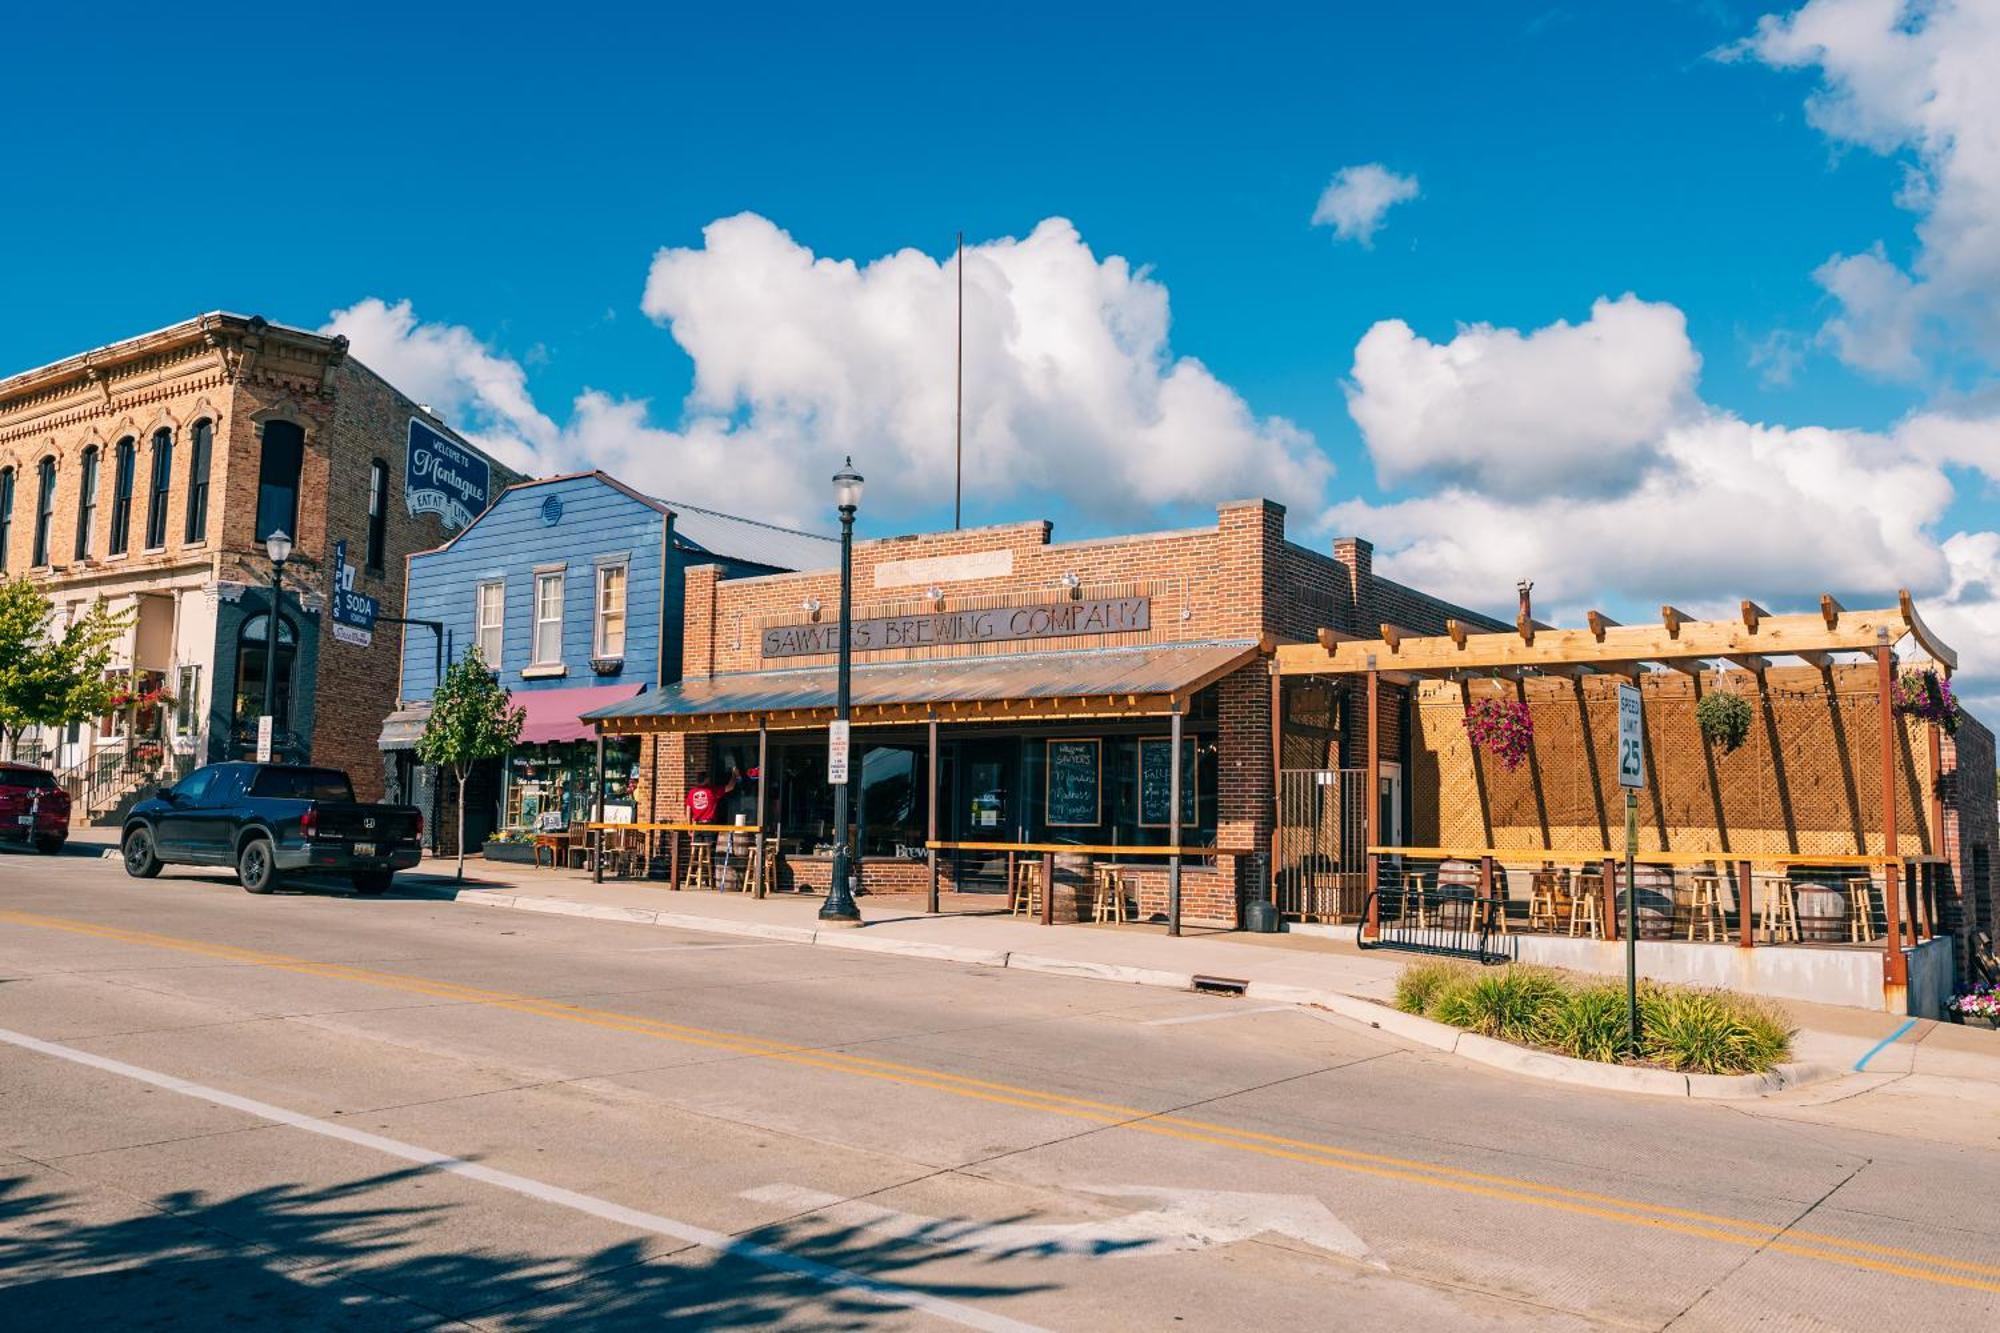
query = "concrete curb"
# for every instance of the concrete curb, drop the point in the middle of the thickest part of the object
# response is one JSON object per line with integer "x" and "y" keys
{"x": 1421, "y": 1031}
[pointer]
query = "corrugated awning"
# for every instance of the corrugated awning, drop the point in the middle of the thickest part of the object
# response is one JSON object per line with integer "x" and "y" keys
{"x": 402, "y": 727}
{"x": 557, "y": 715}
{"x": 1095, "y": 682}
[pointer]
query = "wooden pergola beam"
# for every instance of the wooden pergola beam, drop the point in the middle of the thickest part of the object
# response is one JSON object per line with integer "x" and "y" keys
{"x": 1750, "y": 662}
{"x": 1599, "y": 622}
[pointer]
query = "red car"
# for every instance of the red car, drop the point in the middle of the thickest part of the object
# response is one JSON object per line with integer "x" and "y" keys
{"x": 33, "y": 808}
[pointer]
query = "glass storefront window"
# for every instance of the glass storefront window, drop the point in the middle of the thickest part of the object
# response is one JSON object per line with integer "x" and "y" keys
{"x": 549, "y": 786}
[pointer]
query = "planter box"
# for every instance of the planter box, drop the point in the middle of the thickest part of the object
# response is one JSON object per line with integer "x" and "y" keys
{"x": 1977, "y": 1021}
{"x": 520, "y": 853}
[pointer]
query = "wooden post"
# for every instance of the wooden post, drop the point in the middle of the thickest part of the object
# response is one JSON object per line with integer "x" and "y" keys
{"x": 931, "y": 807}
{"x": 1371, "y": 800}
{"x": 1174, "y": 823}
{"x": 1608, "y": 890}
{"x": 1895, "y": 968}
{"x": 1485, "y": 892}
{"x": 674, "y": 859}
{"x": 1277, "y": 773}
{"x": 1048, "y": 888}
{"x": 1744, "y": 938}
{"x": 763, "y": 762}
{"x": 597, "y": 817}
{"x": 1936, "y": 747}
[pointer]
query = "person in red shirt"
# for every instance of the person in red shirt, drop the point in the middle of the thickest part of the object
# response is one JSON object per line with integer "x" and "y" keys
{"x": 704, "y": 800}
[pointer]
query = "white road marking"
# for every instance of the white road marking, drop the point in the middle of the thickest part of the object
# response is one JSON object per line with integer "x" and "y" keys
{"x": 1184, "y": 1220}
{"x": 840, "y": 1279}
{"x": 1210, "y": 1018}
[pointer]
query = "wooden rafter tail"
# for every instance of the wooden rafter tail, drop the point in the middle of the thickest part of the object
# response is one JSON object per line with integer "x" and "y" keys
{"x": 1393, "y": 636}
{"x": 1940, "y": 652}
{"x": 1753, "y": 614}
{"x": 1526, "y": 628}
{"x": 1456, "y": 629}
{"x": 1829, "y": 610}
{"x": 1328, "y": 639}
{"x": 1599, "y": 622}
{"x": 1673, "y": 618}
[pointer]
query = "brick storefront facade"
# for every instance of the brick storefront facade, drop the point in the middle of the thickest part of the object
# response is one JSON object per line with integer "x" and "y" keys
{"x": 1240, "y": 581}
{"x": 224, "y": 378}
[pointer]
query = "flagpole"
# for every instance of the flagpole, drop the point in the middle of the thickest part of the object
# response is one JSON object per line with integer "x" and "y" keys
{"x": 958, "y": 409}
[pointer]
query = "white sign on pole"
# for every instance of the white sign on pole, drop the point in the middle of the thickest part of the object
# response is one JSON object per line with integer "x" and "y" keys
{"x": 264, "y": 738}
{"x": 1631, "y": 739}
{"x": 836, "y": 753}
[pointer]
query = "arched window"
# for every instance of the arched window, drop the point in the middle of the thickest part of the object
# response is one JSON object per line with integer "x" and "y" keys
{"x": 250, "y": 648}
{"x": 45, "y": 508}
{"x": 163, "y": 480}
{"x": 121, "y": 498}
{"x": 86, "y": 503}
{"x": 6, "y": 513}
{"x": 201, "y": 443}
{"x": 378, "y": 513}
{"x": 278, "y": 479}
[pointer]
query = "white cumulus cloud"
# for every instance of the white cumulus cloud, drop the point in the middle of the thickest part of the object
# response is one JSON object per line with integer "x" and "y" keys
{"x": 1356, "y": 200}
{"x": 1072, "y": 392}
{"x": 1913, "y": 77}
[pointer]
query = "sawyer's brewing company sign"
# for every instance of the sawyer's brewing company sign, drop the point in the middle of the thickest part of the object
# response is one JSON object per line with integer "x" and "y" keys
{"x": 441, "y": 476}
{"x": 1000, "y": 624}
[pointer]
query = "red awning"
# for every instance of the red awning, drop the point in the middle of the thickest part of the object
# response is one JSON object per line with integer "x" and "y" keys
{"x": 556, "y": 715}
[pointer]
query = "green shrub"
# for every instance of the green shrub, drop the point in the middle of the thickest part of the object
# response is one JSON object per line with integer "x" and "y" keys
{"x": 1512, "y": 1003}
{"x": 1419, "y": 985}
{"x": 1592, "y": 1024}
{"x": 1711, "y": 1032}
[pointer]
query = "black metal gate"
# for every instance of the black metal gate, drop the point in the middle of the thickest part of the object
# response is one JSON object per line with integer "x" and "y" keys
{"x": 1321, "y": 843}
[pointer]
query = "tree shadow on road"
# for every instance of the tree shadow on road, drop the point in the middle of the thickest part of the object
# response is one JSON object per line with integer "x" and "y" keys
{"x": 303, "y": 1257}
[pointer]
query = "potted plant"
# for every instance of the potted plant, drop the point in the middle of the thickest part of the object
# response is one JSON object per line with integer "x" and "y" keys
{"x": 1503, "y": 728}
{"x": 1926, "y": 694}
{"x": 1978, "y": 1007}
{"x": 1724, "y": 719}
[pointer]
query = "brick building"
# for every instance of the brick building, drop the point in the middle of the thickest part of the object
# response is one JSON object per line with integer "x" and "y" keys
{"x": 1049, "y": 674}
{"x": 148, "y": 473}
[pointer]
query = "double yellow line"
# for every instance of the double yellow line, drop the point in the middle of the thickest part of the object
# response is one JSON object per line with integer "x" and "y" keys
{"x": 1889, "y": 1259}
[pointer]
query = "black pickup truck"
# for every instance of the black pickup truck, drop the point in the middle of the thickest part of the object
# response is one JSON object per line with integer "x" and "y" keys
{"x": 270, "y": 820}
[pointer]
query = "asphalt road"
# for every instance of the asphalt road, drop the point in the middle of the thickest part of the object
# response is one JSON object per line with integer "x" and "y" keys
{"x": 318, "y": 1111}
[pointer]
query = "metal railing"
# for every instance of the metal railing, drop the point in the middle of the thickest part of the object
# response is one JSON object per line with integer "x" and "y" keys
{"x": 1321, "y": 853}
{"x": 107, "y": 776}
{"x": 1452, "y": 922}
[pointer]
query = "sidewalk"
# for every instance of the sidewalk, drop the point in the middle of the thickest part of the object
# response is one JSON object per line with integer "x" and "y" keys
{"x": 1330, "y": 972}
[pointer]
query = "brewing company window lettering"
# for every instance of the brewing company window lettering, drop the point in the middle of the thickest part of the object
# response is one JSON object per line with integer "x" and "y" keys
{"x": 45, "y": 508}
{"x": 492, "y": 610}
{"x": 548, "y": 619}
{"x": 6, "y": 513}
{"x": 121, "y": 497}
{"x": 378, "y": 512}
{"x": 201, "y": 441}
{"x": 163, "y": 480}
{"x": 86, "y": 502}
{"x": 278, "y": 479}
{"x": 610, "y": 611}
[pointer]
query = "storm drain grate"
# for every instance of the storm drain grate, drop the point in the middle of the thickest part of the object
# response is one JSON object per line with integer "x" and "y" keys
{"x": 1219, "y": 985}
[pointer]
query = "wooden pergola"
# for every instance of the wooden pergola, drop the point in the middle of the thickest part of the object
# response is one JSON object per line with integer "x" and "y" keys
{"x": 1605, "y": 647}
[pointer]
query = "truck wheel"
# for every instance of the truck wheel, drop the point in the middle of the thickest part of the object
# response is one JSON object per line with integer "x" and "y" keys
{"x": 141, "y": 861}
{"x": 369, "y": 883}
{"x": 50, "y": 846}
{"x": 257, "y": 867}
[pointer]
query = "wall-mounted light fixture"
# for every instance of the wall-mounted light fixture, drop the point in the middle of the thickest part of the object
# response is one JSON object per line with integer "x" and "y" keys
{"x": 1074, "y": 584}
{"x": 811, "y": 607}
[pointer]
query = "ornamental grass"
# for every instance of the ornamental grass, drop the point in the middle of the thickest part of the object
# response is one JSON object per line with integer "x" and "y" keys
{"x": 1682, "y": 1028}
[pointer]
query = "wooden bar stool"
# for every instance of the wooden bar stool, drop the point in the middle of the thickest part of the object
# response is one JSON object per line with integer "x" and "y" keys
{"x": 769, "y": 871}
{"x": 1108, "y": 902}
{"x": 1026, "y": 898}
{"x": 1861, "y": 909}
{"x": 1584, "y": 913}
{"x": 1548, "y": 900}
{"x": 1781, "y": 912}
{"x": 1705, "y": 907}
{"x": 699, "y": 873}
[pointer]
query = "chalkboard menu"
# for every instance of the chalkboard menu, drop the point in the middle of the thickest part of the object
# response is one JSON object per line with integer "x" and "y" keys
{"x": 1156, "y": 782}
{"x": 1074, "y": 790}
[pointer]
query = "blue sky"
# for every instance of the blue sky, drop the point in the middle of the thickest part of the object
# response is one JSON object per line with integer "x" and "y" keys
{"x": 511, "y": 172}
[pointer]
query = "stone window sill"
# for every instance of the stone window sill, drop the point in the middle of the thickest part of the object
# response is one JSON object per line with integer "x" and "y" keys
{"x": 544, "y": 671}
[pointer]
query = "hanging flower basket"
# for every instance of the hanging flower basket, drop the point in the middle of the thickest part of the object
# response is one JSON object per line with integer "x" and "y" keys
{"x": 1927, "y": 695}
{"x": 1724, "y": 719}
{"x": 1502, "y": 728}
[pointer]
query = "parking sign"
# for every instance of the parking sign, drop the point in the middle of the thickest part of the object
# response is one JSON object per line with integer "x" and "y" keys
{"x": 836, "y": 753}
{"x": 1631, "y": 739}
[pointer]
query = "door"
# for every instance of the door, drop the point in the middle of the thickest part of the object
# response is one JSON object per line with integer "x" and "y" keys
{"x": 986, "y": 808}
{"x": 212, "y": 822}
{"x": 173, "y": 831}
{"x": 1389, "y": 806}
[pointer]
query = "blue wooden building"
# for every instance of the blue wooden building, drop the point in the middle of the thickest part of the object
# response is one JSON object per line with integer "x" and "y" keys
{"x": 570, "y": 588}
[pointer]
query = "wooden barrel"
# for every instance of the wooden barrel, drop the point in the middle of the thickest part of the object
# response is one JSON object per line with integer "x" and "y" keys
{"x": 1822, "y": 914}
{"x": 1656, "y": 902}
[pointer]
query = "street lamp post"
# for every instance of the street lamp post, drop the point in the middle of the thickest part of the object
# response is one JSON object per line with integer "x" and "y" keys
{"x": 279, "y": 547}
{"x": 839, "y": 907}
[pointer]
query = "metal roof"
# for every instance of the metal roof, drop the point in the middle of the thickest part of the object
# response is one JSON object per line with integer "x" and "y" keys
{"x": 402, "y": 727}
{"x": 1149, "y": 670}
{"x": 715, "y": 533}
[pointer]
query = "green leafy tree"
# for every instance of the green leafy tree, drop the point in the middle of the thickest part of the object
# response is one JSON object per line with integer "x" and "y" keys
{"x": 472, "y": 719}
{"x": 51, "y": 676}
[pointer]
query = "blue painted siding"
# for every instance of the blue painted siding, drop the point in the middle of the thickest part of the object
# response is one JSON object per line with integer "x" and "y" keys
{"x": 509, "y": 542}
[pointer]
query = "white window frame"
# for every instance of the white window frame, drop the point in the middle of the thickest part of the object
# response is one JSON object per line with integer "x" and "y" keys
{"x": 602, "y": 613}
{"x": 543, "y": 577}
{"x": 498, "y": 628}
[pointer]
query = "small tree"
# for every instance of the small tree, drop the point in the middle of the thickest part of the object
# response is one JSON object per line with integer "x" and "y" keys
{"x": 472, "y": 719}
{"x": 51, "y": 677}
